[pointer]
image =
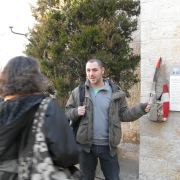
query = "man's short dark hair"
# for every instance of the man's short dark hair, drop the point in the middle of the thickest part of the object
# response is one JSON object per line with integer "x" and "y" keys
{"x": 99, "y": 62}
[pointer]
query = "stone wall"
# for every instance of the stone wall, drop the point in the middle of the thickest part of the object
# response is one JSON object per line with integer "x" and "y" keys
{"x": 160, "y": 37}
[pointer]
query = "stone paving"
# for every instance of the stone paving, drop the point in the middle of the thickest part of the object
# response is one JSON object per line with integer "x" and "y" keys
{"x": 128, "y": 155}
{"x": 128, "y": 170}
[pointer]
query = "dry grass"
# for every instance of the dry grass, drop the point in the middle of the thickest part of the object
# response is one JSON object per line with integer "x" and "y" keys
{"x": 130, "y": 130}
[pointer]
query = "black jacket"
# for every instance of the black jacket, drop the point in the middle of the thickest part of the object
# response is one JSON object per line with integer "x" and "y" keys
{"x": 16, "y": 117}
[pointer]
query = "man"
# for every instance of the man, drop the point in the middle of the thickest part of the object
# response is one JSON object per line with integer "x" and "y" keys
{"x": 100, "y": 118}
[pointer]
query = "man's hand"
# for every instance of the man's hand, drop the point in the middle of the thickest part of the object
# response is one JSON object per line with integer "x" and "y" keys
{"x": 147, "y": 108}
{"x": 81, "y": 110}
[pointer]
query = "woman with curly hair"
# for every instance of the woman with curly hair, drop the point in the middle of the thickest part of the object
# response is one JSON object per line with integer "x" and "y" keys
{"x": 21, "y": 88}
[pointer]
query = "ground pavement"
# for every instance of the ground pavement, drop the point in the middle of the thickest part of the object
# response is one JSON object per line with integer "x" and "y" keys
{"x": 129, "y": 164}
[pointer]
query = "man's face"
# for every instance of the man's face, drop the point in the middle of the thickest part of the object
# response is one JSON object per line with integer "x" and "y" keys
{"x": 94, "y": 73}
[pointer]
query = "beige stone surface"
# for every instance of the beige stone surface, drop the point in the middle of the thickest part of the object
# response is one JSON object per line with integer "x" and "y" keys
{"x": 159, "y": 157}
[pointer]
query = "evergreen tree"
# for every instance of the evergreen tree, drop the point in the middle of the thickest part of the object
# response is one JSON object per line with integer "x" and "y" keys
{"x": 66, "y": 36}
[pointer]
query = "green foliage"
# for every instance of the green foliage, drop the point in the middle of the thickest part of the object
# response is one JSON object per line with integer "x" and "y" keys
{"x": 65, "y": 37}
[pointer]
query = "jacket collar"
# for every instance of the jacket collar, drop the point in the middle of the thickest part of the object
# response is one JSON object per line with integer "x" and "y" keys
{"x": 116, "y": 90}
{"x": 111, "y": 83}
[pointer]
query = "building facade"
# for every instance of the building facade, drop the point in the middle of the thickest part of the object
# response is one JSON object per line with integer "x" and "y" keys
{"x": 159, "y": 157}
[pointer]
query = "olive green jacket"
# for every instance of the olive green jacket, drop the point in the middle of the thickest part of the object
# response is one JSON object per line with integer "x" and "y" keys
{"x": 118, "y": 112}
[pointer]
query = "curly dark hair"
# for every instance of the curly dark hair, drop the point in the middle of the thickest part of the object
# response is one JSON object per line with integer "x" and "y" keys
{"x": 21, "y": 75}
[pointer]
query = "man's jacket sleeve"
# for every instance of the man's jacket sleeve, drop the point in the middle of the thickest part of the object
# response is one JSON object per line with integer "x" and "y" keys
{"x": 72, "y": 104}
{"x": 130, "y": 114}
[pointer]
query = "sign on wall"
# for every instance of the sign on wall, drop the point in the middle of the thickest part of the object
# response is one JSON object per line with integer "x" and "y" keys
{"x": 175, "y": 90}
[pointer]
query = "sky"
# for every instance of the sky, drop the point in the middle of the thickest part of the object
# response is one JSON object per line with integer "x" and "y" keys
{"x": 16, "y": 13}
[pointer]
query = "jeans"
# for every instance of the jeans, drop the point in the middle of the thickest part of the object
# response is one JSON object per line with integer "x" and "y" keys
{"x": 109, "y": 164}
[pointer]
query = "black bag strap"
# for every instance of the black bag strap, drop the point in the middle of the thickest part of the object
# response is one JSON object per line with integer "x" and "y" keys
{"x": 81, "y": 93}
{"x": 75, "y": 125}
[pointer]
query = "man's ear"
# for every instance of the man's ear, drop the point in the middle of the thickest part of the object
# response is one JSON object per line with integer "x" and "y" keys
{"x": 103, "y": 70}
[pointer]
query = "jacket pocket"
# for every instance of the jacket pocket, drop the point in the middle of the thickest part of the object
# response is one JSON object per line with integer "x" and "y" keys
{"x": 82, "y": 133}
{"x": 116, "y": 134}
